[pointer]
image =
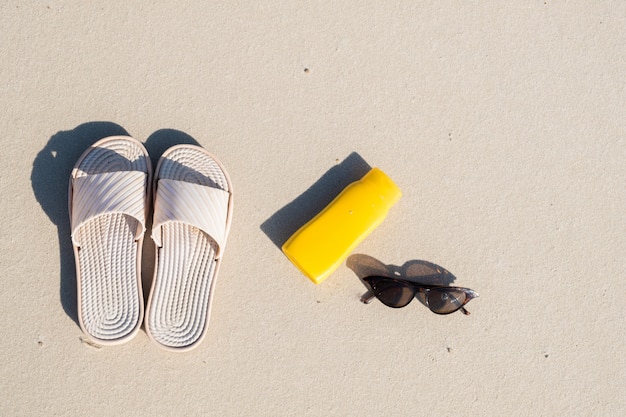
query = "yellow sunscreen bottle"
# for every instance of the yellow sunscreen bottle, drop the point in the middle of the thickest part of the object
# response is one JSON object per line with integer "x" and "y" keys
{"x": 321, "y": 245}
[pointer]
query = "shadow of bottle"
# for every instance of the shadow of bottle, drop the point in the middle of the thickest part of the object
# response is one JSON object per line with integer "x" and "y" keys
{"x": 50, "y": 178}
{"x": 418, "y": 271}
{"x": 286, "y": 221}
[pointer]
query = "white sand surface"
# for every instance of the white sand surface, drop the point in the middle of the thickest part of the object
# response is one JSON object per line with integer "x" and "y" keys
{"x": 504, "y": 125}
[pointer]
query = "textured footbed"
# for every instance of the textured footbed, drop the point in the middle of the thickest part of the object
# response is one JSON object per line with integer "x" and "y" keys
{"x": 109, "y": 282}
{"x": 186, "y": 266}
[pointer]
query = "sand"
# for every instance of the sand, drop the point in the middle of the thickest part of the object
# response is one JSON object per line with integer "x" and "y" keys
{"x": 503, "y": 124}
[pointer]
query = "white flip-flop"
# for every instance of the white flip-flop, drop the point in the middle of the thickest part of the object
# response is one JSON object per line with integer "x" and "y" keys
{"x": 192, "y": 217}
{"x": 108, "y": 201}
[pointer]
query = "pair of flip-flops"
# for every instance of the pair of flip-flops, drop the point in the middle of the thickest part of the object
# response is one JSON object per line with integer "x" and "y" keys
{"x": 109, "y": 200}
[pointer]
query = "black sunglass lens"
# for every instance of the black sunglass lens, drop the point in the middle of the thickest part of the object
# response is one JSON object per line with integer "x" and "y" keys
{"x": 445, "y": 301}
{"x": 393, "y": 294}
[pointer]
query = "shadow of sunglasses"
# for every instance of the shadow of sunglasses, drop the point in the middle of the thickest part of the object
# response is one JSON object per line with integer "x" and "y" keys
{"x": 397, "y": 293}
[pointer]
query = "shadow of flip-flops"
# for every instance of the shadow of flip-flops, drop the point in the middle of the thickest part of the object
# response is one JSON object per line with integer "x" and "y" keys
{"x": 50, "y": 178}
{"x": 163, "y": 139}
{"x": 286, "y": 221}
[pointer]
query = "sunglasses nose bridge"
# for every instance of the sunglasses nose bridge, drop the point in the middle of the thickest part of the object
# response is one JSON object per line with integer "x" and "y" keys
{"x": 420, "y": 294}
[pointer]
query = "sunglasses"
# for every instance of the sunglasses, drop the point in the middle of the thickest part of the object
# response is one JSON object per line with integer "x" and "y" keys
{"x": 397, "y": 293}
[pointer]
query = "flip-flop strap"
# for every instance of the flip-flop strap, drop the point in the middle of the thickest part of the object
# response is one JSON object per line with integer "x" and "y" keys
{"x": 108, "y": 193}
{"x": 198, "y": 205}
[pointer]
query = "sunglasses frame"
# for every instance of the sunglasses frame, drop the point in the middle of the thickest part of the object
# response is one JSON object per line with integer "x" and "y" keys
{"x": 417, "y": 288}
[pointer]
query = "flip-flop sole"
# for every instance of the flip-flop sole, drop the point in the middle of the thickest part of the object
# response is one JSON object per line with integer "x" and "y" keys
{"x": 108, "y": 264}
{"x": 186, "y": 265}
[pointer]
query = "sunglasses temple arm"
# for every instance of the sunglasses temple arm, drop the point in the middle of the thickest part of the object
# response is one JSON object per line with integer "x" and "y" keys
{"x": 367, "y": 297}
{"x": 472, "y": 294}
